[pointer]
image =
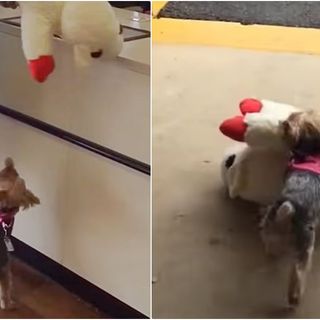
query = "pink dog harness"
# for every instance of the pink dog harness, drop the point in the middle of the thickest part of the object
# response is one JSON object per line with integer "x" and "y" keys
{"x": 310, "y": 163}
{"x": 7, "y": 216}
{"x": 7, "y": 221}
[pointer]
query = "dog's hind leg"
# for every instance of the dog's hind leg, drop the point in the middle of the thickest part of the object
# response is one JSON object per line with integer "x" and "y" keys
{"x": 6, "y": 301}
{"x": 299, "y": 272}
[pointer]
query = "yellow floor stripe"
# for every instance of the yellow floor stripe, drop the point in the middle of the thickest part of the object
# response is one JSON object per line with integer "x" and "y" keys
{"x": 228, "y": 34}
{"x": 157, "y": 6}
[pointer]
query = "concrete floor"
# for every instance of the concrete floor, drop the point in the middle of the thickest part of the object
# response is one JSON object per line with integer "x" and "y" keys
{"x": 208, "y": 258}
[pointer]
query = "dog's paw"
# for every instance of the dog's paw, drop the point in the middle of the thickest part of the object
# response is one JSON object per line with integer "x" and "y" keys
{"x": 294, "y": 301}
{"x": 6, "y": 304}
{"x": 294, "y": 295}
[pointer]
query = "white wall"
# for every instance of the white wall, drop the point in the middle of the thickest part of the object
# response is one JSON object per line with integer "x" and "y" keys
{"x": 95, "y": 216}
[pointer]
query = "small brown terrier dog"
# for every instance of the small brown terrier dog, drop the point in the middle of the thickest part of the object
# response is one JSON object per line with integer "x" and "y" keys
{"x": 292, "y": 221}
{"x": 13, "y": 196}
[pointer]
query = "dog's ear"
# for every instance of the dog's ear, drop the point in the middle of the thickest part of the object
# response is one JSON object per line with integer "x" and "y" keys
{"x": 284, "y": 212}
{"x": 29, "y": 200}
{"x": 290, "y": 130}
{"x": 285, "y": 125}
{"x": 9, "y": 163}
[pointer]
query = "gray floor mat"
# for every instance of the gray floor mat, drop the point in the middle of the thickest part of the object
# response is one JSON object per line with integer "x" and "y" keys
{"x": 283, "y": 13}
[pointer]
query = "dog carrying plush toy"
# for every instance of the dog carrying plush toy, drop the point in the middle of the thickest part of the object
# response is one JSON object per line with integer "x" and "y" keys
{"x": 254, "y": 169}
{"x": 279, "y": 167}
{"x": 13, "y": 196}
{"x": 91, "y": 27}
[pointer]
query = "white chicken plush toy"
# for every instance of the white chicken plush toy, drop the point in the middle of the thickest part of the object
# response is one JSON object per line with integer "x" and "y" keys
{"x": 91, "y": 27}
{"x": 254, "y": 169}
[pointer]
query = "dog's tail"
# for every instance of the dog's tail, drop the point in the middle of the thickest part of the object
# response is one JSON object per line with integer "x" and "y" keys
{"x": 283, "y": 210}
{"x": 297, "y": 213}
{"x": 9, "y": 163}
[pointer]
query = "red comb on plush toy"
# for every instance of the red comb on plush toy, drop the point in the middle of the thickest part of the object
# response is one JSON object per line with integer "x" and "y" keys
{"x": 250, "y": 105}
{"x": 235, "y": 128}
{"x": 259, "y": 123}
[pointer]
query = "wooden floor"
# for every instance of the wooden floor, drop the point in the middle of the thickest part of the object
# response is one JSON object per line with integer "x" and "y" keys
{"x": 40, "y": 297}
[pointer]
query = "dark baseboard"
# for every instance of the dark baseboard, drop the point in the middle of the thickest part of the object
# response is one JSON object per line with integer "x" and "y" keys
{"x": 77, "y": 140}
{"x": 87, "y": 291}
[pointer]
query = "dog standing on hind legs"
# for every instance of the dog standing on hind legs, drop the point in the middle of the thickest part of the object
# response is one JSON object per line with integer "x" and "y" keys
{"x": 293, "y": 218}
{"x": 13, "y": 196}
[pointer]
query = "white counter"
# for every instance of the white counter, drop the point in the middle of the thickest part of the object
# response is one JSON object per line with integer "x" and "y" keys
{"x": 95, "y": 214}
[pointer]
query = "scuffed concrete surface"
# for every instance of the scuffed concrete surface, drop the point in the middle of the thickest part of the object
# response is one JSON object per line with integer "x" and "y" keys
{"x": 208, "y": 259}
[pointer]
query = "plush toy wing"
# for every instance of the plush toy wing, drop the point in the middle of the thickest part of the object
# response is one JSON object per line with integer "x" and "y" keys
{"x": 37, "y": 36}
{"x": 256, "y": 174}
{"x": 91, "y": 27}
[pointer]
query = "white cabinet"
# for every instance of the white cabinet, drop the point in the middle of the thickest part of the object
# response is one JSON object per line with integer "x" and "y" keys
{"x": 95, "y": 213}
